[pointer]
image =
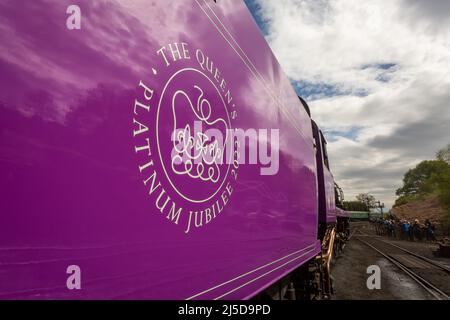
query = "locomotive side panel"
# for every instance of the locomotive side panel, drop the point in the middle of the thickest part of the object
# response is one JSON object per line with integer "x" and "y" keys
{"x": 325, "y": 180}
{"x": 108, "y": 136}
{"x": 330, "y": 197}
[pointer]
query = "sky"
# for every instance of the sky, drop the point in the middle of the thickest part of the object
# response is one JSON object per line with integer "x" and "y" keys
{"x": 376, "y": 75}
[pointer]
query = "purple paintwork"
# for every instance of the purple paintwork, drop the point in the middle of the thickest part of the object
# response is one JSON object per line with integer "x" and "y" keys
{"x": 330, "y": 203}
{"x": 72, "y": 172}
{"x": 327, "y": 209}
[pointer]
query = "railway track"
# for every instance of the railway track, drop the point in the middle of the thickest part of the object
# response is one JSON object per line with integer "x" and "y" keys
{"x": 432, "y": 276}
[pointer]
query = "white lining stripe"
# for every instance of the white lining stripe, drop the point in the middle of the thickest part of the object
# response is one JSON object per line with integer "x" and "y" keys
{"x": 262, "y": 79}
{"x": 261, "y": 276}
{"x": 311, "y": 247}
{"x": 286, "y": 112}
{"x": 269, "y": 90}
{"x": 237, "y": 44}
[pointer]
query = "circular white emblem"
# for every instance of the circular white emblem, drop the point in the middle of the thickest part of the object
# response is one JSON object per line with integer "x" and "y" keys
{"x": 193, "y": 135}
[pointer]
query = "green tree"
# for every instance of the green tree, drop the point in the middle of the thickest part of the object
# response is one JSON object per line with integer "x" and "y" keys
{"x": 355, "y": 206}
{"x": 367, "y": 199}
{"x": 444, "y": 154}
{"x": 431, "y": 177}
{"x": 442, "y": 182}
{"x": 417, "y": 182}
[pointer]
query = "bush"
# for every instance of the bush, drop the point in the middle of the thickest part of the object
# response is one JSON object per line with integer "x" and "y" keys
{"x": 404, "y": 200}
{"x": 430, "y": 177}
{"x": 442, "y": 181}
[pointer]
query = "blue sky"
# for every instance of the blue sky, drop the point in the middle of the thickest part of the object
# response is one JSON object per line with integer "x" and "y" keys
{"x": 255, "y": 8}
{"x": 375, "y": 74}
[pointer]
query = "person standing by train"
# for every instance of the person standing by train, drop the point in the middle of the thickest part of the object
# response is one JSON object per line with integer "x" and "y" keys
{"x": 410, "y": 232}
{"x": 417, "y": 230}
{"x": 429, "y": 230}
{"x": 393, "y": 229}
{"x": 405, "y": 230}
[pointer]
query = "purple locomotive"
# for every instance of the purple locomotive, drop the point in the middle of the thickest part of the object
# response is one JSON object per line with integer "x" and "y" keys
{"x": 153, "y": 150}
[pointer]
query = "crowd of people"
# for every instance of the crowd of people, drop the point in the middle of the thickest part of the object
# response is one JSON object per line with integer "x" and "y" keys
{"x": 406, "y": 230}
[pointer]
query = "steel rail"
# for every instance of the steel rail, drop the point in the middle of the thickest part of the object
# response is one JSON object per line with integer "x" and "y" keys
{"x": 429, "y": 287}
{"x": 435, "y": 263}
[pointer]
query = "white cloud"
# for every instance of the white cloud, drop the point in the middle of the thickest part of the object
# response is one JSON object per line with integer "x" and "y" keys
{"x": 404, "y": 115}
